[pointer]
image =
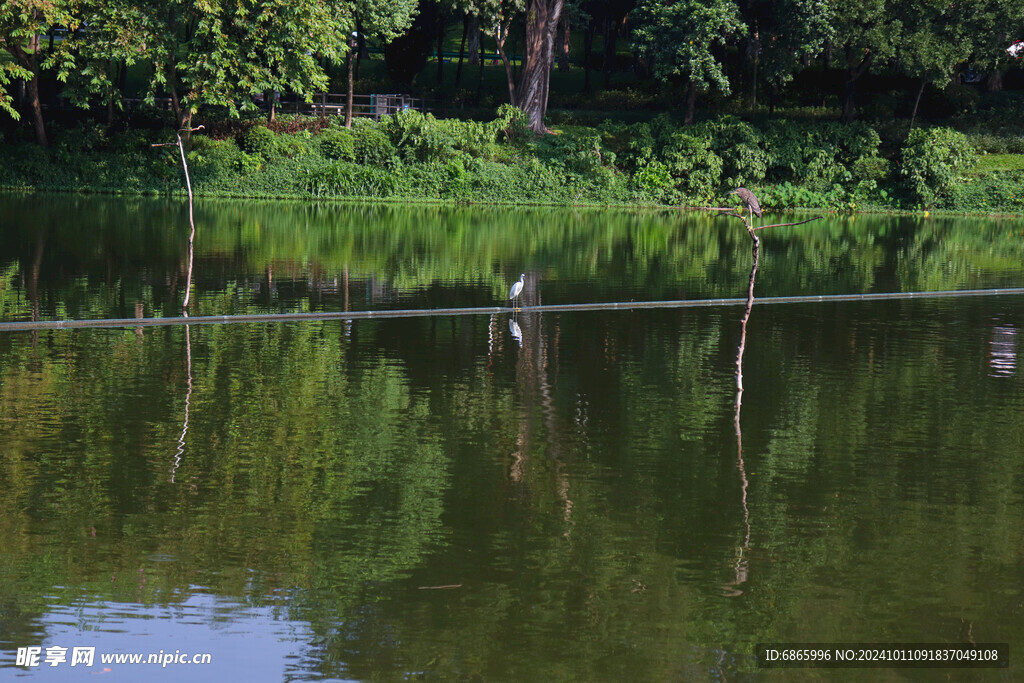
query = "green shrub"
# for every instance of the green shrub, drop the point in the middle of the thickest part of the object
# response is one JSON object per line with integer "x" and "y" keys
{"x": 820, "y": 155}
{"x": 82, "y": 137}
{"x": 640, "y": 147}
{"x": 342, "y": 179}
{"x": 418, "y": 137}
{"x": 997, "y": 191}
{"x": 653, "y": 180}
{"x": 871, "y": 168}
{"x": 293, "y": 145}
{"x": 577, "y": 149}
{"x": 213, "y": 163}
{"x": 457, "y": 183}
{"x": 953, "y": 100}
{"x": 997, "y": 144}
{"x": 261, "y": 140}
{"x": 511, "y": 124}
{"x": 474, "y": 138}
{"x": 372, "y": 145}
{"x": 740, "y": 147}
{"x": 932, "y": 160}
{"x": 338, "y": 143}
{"x": 249, "y": 163}
{"x": 697, "y": 170}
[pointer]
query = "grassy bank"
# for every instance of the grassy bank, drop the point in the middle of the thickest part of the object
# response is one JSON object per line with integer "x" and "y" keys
{"x": 789, "y": 163}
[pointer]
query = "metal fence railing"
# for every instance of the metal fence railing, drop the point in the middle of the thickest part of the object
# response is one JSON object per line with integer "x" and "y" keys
{"x": 333, "y": 104}
{"x": 375, "y": 105}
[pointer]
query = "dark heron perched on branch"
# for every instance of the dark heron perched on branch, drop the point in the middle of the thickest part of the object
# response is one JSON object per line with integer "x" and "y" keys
{"x": 749, "y": 200}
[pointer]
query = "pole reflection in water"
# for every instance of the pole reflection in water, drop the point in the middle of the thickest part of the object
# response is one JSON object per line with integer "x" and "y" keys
{"x": 188, "y": 397}
{"x": 741, "y": 566}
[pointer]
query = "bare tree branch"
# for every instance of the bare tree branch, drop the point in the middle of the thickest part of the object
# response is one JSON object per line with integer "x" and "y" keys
{"x": 784, "y": 225}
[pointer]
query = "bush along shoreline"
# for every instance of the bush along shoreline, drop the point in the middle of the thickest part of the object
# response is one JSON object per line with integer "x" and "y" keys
{"x": 415, "y": 157}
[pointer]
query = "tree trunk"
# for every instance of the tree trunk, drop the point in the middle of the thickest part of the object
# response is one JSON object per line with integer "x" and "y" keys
{"x": 917, "y": 101}
{"x": 360, "y": 47}
{"x": 588, "y": 45}
{"x": 172, "y": 89}
{"x": 462, "y": 51}
{"x": 691, "y": 102}
{"x": 499, "y": 38}
{"x": 480, "y": 71}
{"x": 37, "y": 110}
{"x": 611, "y": 35}
{"x": 474, "y": 39}
{"x": 854, "y": 70}
{"x": 31, "y": 62}
{"x": 268, "y": 99}
{"x": 754, "y": 55}
{"x": 563, "y": 51}
{"x": 440, "y": 48}
{"x": 349, "y": 93}
{"x": 539, "y": 56}
{"x": 994, "y": 82}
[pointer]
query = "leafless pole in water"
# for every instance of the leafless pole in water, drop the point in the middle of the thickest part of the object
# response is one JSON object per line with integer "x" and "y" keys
{"x": 191, "y": 219}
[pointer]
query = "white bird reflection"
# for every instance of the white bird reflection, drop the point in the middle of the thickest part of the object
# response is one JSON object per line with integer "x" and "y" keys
{"x": 517, "y": 333}
{"x": 1002, "y": 351}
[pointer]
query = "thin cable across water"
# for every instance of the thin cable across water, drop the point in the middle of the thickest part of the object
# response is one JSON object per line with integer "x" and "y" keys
{"x": 487, "y": 310}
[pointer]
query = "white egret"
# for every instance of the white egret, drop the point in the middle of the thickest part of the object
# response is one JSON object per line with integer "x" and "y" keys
{"x": 517, "y": 289}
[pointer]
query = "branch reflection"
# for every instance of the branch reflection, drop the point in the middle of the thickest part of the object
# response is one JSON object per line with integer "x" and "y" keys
{"x": 741, "y": 568}
{"x": 188, "y": 397}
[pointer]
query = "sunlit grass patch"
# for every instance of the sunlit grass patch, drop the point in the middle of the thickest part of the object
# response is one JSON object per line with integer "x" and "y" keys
{"x": 991, "y": 163}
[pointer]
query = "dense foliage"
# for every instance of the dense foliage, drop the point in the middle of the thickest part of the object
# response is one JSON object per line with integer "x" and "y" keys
{"x": 895, "y": 72}
{"x": 416, "y": 156}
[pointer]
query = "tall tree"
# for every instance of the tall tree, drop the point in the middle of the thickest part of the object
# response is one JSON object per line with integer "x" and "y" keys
{"x": 542, "y": 17}
{"x": 992, "y": 24}
{"x": 609, "y": 18}
{"x": 383, "y": 22}
{"x": 679, "y": 36}
{"x": 935, "y": 43}
{"x": 221, "y": 52}
{"x": 22, "y": 22}
{"x": 867, "y": 32}
{"x": 496, "y": 19}
{"x": 116, "y": 39}
{"x": 782, "y": 33}
{"x": 236, "y": 48}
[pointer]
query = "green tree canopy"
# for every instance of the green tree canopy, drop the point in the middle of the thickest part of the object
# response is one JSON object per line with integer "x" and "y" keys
{"x": 22, "y": 22}
{"x": 679, "y": 38}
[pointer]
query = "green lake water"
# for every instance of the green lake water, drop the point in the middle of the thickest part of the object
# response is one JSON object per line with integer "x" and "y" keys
{"x": 572, "y": 497}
